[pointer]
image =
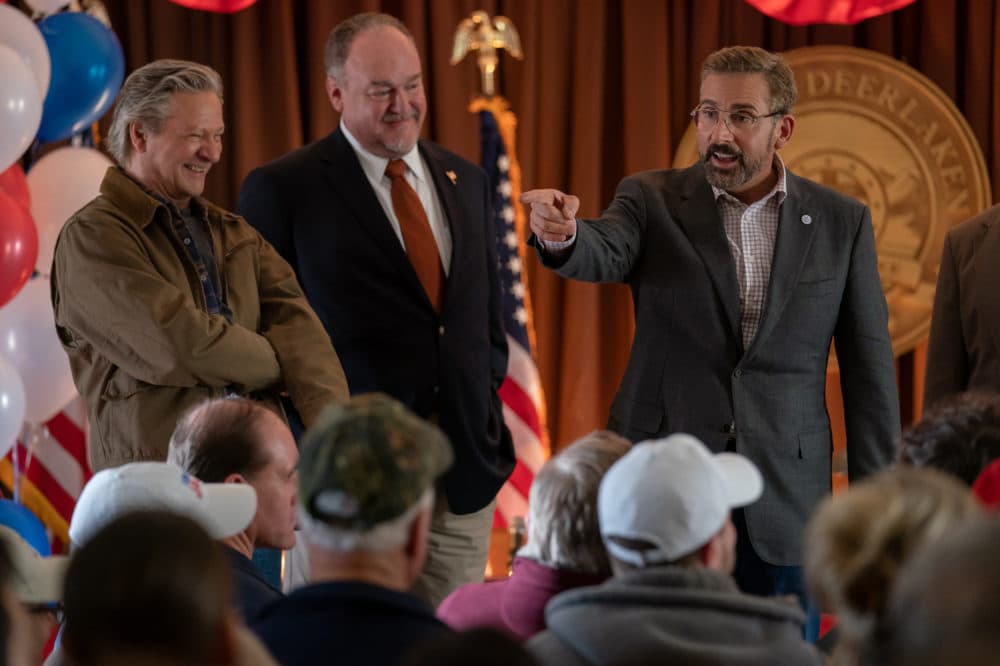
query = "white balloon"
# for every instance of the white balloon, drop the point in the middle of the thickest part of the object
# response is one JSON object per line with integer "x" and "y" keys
{"x": 18, "y": 32}
{"x": 11, "y": 406}
{"x": 29, "y": 342}
{"x": 60, "y": 184}
{"x": 47, "y": 7}
{"x": 20, "y": 106}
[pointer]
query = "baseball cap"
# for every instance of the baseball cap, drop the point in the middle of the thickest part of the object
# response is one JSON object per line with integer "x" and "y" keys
{"x": 222, "y": 509}
{"x": 35, "y": 579}
{"x": 674, "y": 494}
{"x": 367, "y": 461}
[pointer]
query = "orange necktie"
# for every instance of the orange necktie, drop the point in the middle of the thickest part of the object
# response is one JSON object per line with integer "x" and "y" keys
{"x": 417, "y": 236}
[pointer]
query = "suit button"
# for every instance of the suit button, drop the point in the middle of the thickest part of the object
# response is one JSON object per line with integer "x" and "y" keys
{"x": 729, "y": 428}
{"x": 441, "y": 330}
{"x": 738, "y": 372}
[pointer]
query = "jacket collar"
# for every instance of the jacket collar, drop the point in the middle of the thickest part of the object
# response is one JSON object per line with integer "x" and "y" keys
{"x": 141, "y": 206}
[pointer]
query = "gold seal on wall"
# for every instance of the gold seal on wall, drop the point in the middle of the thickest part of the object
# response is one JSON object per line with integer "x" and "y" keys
{"x": 876, "y": 129}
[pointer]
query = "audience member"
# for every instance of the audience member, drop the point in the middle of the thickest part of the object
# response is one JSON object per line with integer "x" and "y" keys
{"x": 858, "y": 540}
{"x": 37, "y": 584}
{"x": 483, "y": 646}
{"x": 943, "y": 609}
{"x": 241, "y": 441}
{"x": 150, "y": 588}
{"x": 664, "y": 512}
{"x": 564, "y": 548}
{"x": 222, "y": 509}
{"x": 367, "y": 476}
{"x": 959, "y": 435}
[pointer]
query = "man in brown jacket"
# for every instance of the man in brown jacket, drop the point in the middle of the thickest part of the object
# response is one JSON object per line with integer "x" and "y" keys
{"x": 162, "y": 299}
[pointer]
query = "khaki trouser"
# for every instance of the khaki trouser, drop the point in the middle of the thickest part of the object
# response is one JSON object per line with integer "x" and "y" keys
{"x": 457, "y": 550}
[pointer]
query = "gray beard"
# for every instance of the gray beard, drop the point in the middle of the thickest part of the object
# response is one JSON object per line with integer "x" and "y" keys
{"x": 727, "y": 180}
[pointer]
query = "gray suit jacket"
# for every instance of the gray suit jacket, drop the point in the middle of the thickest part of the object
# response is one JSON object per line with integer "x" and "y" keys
{"x": 688, "y": 371}
{"x": 964, "y": 350}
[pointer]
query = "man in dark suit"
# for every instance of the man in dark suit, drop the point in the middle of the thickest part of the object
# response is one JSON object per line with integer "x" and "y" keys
{"x": 393, "y": 241}
{"x": 964, "y": 349}
{"x": 742, "y": 273}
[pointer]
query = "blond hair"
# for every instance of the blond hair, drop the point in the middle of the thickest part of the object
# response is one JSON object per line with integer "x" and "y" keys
{"x": 857, "y": 541}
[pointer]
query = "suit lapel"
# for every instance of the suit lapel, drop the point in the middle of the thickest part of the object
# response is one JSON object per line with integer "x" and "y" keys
{"x": 698, "y": 214}
{"x": 348, "y": 180}
{"x": 987, "y": 267}
{"x": 790, "y": 250}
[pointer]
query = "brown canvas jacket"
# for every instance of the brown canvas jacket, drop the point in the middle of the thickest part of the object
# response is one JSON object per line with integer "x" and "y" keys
{"x": 131, "y": 314}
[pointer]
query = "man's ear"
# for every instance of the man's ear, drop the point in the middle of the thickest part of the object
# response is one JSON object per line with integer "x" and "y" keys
{"x": 235, "y": 477}
{"x": 785, "y": 128}
{"x": 416, "y": 542}
{"x": 137, "y": 136}
{"x": 335, "y": 93}
{"x": 708, "y": 555}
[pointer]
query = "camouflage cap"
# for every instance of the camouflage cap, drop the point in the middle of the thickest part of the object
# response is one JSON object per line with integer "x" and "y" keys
{"x": 368, "y": 461}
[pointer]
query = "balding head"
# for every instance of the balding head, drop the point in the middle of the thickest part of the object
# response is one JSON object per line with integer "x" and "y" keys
{"x": 241, "y": 441}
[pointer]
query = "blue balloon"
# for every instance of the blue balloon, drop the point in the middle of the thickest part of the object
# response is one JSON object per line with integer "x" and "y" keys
{"x": 88, "y": 68}
{"x": 18, "y": 518}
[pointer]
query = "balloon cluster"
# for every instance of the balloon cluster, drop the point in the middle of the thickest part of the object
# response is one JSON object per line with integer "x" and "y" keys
{"x": 57, "y": 77}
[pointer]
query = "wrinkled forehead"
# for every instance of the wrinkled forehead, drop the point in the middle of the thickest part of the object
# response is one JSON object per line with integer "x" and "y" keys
{"x": 735, "y": 91}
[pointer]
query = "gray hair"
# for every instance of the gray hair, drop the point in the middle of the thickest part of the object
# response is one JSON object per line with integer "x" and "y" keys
{"x": 146, "y": 98}
{"x": 563, "y": 531}
{"x": 338, "y": 44}
{"x": 383, "y": 537}
{"x": 753, "y": 60}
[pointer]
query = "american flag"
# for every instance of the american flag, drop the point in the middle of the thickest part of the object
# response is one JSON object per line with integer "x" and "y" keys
{"x": 521, "y": 392}
{"x": 51, "y": 469}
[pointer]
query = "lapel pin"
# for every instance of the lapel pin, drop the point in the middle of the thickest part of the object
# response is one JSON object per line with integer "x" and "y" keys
{"x": 452, "y": 176}
{"x": 806, "y": 219}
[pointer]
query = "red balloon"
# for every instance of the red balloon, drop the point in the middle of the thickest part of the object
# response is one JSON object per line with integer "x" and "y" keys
{"x": 14, "y": 184}
{"x": 218, "y": 6}
{"x": 18, "y": 247}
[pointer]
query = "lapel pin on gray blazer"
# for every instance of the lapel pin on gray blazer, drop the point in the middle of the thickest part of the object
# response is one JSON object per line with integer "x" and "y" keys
{"x": 742, "y": 274}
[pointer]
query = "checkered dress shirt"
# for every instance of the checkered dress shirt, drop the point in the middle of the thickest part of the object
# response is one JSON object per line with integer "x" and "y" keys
{"x": 751, "y": 231}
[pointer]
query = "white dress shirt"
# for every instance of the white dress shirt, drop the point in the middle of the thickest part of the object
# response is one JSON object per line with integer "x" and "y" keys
{"x": 418, "y": 176}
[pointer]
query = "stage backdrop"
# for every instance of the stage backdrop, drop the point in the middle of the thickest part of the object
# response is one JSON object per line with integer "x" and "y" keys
{"x": 604, "y": 90}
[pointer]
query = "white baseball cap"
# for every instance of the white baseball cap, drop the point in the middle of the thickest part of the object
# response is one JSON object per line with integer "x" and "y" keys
{"x": 35, "y": 579}
{"x": 222, "y": 509}
{"x": 672, "y": 493}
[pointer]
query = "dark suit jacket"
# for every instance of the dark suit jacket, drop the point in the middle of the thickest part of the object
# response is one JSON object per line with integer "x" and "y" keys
{"x": 964, "y": 350}
{"x": 320, "y": 212}
{"x": 688, "y": 371}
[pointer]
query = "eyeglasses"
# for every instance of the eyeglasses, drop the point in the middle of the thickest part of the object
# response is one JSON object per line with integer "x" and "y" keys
{"x": 706, "y": 117}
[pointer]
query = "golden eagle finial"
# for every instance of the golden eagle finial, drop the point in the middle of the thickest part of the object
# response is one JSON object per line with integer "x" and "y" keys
{"x": 479, "y": 33}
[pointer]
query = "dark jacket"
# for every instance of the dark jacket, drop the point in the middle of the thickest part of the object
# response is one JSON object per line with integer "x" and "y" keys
{"x": 688, "y": 371}
{"x": 318, "y": 209}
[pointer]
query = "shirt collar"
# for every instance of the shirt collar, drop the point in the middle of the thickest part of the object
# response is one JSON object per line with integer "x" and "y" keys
{"x": 374, "y": 166}
{"x": 780, "y": 189}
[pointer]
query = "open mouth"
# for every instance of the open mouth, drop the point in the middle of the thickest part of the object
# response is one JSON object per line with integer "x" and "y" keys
{"x": 197, "y": 168}
{"x": 723, "y": 158}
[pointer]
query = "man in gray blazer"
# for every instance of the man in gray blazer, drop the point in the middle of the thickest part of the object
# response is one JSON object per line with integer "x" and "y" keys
{"x": 964, "y": 348}
{"x": 742, "y": 273}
